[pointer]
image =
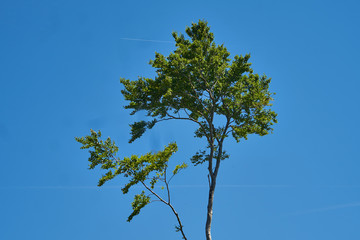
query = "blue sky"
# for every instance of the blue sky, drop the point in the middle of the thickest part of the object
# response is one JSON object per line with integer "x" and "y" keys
{"x": 60, "y": 67}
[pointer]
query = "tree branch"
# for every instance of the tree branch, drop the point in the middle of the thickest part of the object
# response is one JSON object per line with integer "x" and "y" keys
{"x": 172, "y": 208}
{"x": 220, "y": 143}
{"x": 167, "y": 185}
{"x": 190, "y": 119}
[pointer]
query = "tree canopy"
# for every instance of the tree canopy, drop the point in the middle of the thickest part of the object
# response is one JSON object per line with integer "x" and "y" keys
{"x": 200, "y": 81}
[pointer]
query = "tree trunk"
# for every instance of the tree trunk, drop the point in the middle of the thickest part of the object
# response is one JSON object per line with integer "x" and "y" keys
{"x": 210, "y": 209}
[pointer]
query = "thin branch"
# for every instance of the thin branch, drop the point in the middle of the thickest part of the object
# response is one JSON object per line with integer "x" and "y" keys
{"x": 212, "y": 87}
{"x": 150, "y": 190}
{"x": 154, "y": 201}
{"x": 190, "y": 119}
{"x": 172, "y": 208}
{"x": 228, "y": 132}
{"x": 181, "y": 118}
{"x": 220, "y": 143}
{"x": 187, "y": 113}
{"x": 167, "y": 185}
{"x": 203, "y": 78}
{"x": 225, "y": 106}
{"x": 171, "y": 178}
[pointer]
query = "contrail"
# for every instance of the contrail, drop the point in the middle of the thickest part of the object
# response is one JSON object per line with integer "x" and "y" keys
{"x": 145, "y": 40}
{"x": 119, "y": 187}
{"x": 188, "y": 186}
{"x": 52, "y": 187}
{"x": 334, "y": 207}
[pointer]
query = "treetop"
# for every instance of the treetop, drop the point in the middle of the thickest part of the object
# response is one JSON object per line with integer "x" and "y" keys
{"x": 198, "y": 82}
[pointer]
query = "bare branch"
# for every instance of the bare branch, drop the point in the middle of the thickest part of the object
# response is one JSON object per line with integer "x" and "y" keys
{"x": 154, "y": 201}
{"x": 220, "y": 143}
{"x": 190, "y": 119}
{"x": 167, "y": 185}
{"x": 172, "y": 208}
{"x": 150, "y": 190}
{"x": 171, "y": 178}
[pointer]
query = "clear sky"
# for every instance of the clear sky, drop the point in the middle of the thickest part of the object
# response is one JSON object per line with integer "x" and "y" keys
{"x": 60, "y": 67}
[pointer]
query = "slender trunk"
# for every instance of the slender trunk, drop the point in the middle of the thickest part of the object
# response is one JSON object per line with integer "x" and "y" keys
{"x": 210, "y": 209}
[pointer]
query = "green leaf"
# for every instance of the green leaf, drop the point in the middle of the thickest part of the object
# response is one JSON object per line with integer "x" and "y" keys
{"x": 140, "y": 201}
{"x": 179, "y": 167}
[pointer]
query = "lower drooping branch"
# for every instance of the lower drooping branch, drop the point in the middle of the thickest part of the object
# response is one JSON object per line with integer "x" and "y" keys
{"x": 180, "y": 227}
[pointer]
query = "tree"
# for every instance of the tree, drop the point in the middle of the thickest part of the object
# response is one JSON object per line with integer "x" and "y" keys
{"x": 197, "y": 82}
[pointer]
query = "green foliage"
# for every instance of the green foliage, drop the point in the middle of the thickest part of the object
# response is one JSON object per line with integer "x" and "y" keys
{"x": 139, "y": 202}
{"x": 179, "y": 167}
{"x": 138, "y": 128}
{"x": 102, "y": 152}
{"x": 150, "y": 167}
{"x": 198, "y": 82}
{"x": 199, "y": 157}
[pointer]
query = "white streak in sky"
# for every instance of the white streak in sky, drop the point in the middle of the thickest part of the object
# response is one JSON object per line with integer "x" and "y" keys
{"x": 329, "y": 208}
{"x": 145, "y": 40}
{"x": 119, "y": 187}
{"x": 188, "y": 186}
